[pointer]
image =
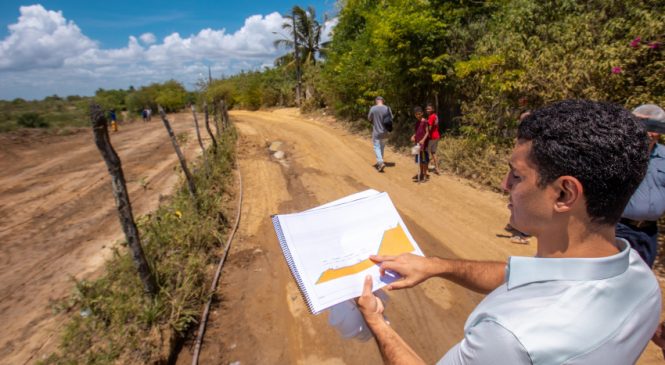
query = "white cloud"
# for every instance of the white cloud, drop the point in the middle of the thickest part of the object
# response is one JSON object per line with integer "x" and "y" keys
{"x": 326, "y": 32}
{"x": 42, "y": 40}
{"x": 148, "y": 38}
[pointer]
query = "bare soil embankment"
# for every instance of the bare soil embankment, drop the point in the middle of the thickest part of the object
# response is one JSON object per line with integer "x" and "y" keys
{"x": 58, "y": 219}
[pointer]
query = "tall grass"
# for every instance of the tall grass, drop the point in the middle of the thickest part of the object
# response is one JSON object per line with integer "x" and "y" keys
{"x": 483, "y": 163}
{"x": 112, "y": 320}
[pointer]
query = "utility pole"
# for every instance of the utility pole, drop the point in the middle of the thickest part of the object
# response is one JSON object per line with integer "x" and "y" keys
{"x": 296, "y": 54}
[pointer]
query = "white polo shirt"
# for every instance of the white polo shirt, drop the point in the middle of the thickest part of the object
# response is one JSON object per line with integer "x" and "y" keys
{"x": 564, "y": 311}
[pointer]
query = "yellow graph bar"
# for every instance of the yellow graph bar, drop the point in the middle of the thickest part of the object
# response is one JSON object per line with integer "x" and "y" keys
{"x": 394, "y": 242}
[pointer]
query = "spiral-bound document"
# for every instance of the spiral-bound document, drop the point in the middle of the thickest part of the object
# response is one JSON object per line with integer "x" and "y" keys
{"x": 327, "y": 248}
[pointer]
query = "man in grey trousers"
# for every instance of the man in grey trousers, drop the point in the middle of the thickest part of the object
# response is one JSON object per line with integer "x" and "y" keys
{"x": 377, "y": 114}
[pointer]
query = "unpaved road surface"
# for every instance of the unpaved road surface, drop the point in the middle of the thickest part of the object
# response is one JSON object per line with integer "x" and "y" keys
{"x": 261, "y": 318}
{"x": 58, "y": 219}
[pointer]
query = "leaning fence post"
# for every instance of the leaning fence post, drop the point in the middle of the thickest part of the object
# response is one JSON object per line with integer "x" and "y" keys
{"x": 215, "y": 120}
{"x": 181, "y": 157}
{"x": 198, "y": 136}
{"x": 101, "y": 135}
{"x": 207, "y": 122}
{"x": 225, "y": 114}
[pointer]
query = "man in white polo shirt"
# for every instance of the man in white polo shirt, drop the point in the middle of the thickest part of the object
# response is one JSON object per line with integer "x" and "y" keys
{"x": 586, "y": 297}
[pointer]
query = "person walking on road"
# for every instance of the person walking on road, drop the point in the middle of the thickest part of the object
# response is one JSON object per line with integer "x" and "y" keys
{"x": 144, "y": 114}
{"x": 421, "y": 138}
{"x": 114, "y": 122}
{"x": 434, "y": 136}
{"x": 377, "y": 115}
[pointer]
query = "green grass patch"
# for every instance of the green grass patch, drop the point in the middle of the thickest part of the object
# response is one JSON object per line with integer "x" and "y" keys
{"x": 112, "y": 320}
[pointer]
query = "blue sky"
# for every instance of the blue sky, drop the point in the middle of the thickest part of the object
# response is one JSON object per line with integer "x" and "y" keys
{"x": 75, "y": 47}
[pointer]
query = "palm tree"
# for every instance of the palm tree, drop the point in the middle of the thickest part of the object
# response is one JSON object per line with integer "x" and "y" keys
{"x": 305, "y": 41}
{"x": 307, "y": 36}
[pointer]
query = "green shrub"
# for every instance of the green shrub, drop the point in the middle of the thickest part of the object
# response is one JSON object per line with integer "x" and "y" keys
{"x": 32, "y": 120}
{"x": 483, "y": 163}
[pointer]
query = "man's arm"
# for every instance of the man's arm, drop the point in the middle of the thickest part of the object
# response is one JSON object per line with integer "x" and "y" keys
{"x": 479, "y": 276}
{"x": 393, "y": 348}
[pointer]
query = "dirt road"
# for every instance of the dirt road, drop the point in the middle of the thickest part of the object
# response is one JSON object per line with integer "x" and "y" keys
{"x": 58, "y": 219}
{"x": 261, "y": 318}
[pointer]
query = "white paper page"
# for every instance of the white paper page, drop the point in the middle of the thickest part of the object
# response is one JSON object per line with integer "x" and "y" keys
{"x": 337, "y": 238}
{"x": 349, "y": 198}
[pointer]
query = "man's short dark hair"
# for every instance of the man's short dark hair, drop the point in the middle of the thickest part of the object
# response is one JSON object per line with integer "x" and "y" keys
{"x": 430, "y": 105}
{"x": 417, "y": 109}
{"x": 601, "y": 144}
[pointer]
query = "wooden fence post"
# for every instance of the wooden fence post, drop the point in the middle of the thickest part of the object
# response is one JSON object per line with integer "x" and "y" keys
{"x": 101, "y": 135}
{"x": 215, "y": 120}
{"x": 207, "y": 123}
{"x": 181, "y": 157}
{"x": 221, "y": 113}
{"x": 225, "y": 114}
{"x": 198, "y": 136}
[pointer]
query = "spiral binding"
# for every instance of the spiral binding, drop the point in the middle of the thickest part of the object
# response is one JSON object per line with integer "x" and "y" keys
{"x": 291, "y": 263}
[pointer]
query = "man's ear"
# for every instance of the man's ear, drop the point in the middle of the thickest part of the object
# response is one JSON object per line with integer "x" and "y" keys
{"x": 569, "y": 191}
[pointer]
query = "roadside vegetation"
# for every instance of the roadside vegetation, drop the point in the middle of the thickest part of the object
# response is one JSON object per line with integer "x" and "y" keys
{"x": 483, "y": 63}
{"x": 60, "y": 114}
{"x": 112, "y": 320}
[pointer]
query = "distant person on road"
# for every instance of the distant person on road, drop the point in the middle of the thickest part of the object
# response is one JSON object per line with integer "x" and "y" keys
{"x": 433, "y": 120}
{"x": 421, "y": 138}
{"x": 377, "y": 114}
{"x": 144, "y": 115}
{"x": 639, "y": 221}
{"x": 114, "y": 122}
{"x": 586, "y": 297}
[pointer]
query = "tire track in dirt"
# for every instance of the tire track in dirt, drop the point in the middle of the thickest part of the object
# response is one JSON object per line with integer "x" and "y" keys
{"x": 58, "y": 219}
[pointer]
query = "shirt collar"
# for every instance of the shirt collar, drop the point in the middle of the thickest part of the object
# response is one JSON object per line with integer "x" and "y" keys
{"x": 526, "y": 270}
{"x": 658, "y": 151}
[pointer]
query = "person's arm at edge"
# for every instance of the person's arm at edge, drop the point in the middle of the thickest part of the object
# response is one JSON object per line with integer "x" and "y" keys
{"x": 394, "y": 350}
{"x": 479, "y": 276}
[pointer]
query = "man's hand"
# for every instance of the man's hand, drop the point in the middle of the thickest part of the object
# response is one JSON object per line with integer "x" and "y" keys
{"x": 393, "y": 348}
{"x": 659, "y": 337}
{"x": 369, "y": 304}
{"x": 412, "y": 268}
{"x": 413, "y": 138}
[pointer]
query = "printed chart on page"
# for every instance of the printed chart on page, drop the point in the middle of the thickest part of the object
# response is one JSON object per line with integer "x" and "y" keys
{"x": 329, "y": 246}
